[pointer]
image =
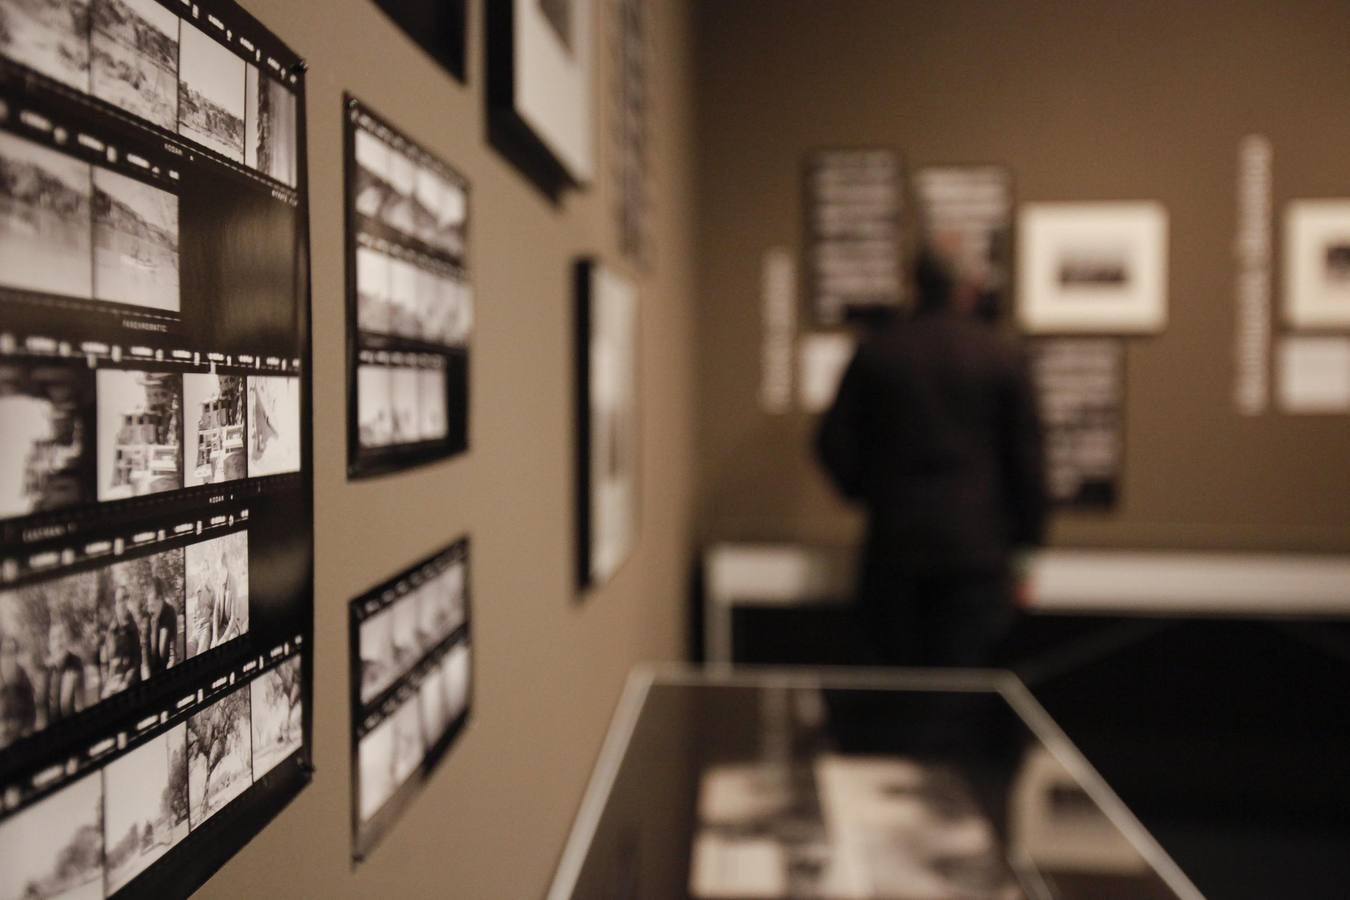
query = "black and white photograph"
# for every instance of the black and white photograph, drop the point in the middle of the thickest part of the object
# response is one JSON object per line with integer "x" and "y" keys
{"x": 51, "y": 634}
{"x": 374, "y": 309}
{"x": 46, "y": 220}
{"x": 145, "y": 806}
{"x": 1092, "y": 268}
{"x": 277, "y": 702}
{"x": 441, "y": 605}
{"x": 51, "y": 38}
{"x": 374, "y": 403}
{"x": 445, "y": 204}
{"x": 54, "y": 849}
{"x": 608, "y": 483}
{"x": 271, "y": 142}
{"x": 459, "y": 324}
{"x": 211, "y": 87}
{"x": 433, "y": 310}
{"x": 540, "y": 59}
{"x": 1317, "y": 265}
{"x": 435, "y": 708}
{"x": 379, "y": 667}
{"x": 135, "y": 242}
{"x": 216, "y": 585}
{"x": 47, "y": 459}
{"x": 215, "y": 434}
{"x": 371, "y": 189}
{"x": 559, "y": 15}
{"x": 134, "y": 53}
{"x": 392, "y": 759}
{"x": 404, "y": 385}
{"x": 146, "y": 633}
{"x": 273, "y": 425}
{"x": 404, "y": 320}
{"x": 220, "y": 759}
{"x": 431, "y": 400}
{"x": 456, "y": 672}
{"x": 403, "y": 633}
{"x": 140, "y": 423}
{"x": 375, "y": 756}
{"x": 400, "y": 210}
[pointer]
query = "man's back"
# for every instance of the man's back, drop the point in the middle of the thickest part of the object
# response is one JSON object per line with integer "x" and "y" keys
{"x": 935, "y": 430}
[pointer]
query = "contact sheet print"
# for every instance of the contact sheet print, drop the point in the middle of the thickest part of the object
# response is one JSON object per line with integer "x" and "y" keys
{"x": 410, "y": 303}
{"x": 411, "y": 680}
{"x": 156, "y": 585}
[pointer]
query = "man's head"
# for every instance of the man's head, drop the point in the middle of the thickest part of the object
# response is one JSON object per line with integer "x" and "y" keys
{"x": 158, "y": 593}
{"x": 934, "y": 281}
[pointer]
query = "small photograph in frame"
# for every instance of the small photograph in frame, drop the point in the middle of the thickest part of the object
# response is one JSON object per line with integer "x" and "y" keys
{"x": 1092, "y": 268}
{"x": 540, "y": 108}
{"x": 607, "y": 421}
{"x": 1317, "y": 265}
{"x": 409, "y": 300}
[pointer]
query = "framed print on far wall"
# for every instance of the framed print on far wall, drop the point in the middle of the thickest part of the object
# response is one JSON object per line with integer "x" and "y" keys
{"x": 1092, "y": 268}
{"x": 607, "y": 421}
{"x": 1317, "y": 265}
{"x": 539, "y": 62}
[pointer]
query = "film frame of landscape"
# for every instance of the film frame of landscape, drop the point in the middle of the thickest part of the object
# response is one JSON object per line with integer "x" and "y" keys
{"x": 410, "y": 305}
{"x": 411, "y": 686}
{"x": 156, "y": 550}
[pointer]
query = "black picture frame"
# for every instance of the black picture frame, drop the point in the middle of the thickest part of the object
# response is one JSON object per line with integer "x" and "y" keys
{"x": 598, "y": 558}
{"x": 364, "y": 233}
{"x": 220, "y": 328}
{"x": 867, "y": 311}
{"x": 439, "y": 27}
{"x": 375, "y": 710}
{"x": 508, "y": 126}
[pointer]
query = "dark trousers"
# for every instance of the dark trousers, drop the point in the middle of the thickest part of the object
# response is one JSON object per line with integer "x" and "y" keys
{"x": 939, "y": 618}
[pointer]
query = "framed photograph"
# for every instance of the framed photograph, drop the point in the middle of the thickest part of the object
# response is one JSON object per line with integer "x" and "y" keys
{"x": 540, "y": 109}
{"x": 437, "y": 26}
{"x": 410, "y": 304}
{"x": 607, "y": 421}
{"x": 1092, "y": 268}
{"x": 1317, "y": 265}
{"x": 411, "y": 686}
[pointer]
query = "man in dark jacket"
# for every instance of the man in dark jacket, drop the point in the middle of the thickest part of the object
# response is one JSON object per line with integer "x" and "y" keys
{"x": 935, "y": 431}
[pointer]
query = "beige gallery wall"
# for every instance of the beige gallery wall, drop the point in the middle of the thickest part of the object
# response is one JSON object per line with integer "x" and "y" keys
{"x": 549, "y": 666}
{"x": 1082, "y": 100}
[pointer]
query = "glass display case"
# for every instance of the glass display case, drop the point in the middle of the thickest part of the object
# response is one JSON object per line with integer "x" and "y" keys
{"x": 824, "y": 783}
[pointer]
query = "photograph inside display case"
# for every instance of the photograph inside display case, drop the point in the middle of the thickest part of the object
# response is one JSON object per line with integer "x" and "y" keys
{"x": 411, "y": 684}
{"x": 1317, "y": 265}
{"x": 410, "y": 303}
{"x": 155, "y": 494}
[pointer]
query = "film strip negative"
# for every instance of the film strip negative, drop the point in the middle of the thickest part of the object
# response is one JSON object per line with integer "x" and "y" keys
{"x": 411, "y": 686}
{"x": 156, "y": 535}
{"x": 410, "y": 302}
{"x": 110, "y": 811}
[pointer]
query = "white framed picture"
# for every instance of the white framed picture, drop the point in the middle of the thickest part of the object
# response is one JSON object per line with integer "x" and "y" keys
{"x": 540, "y": 60}
{"x": 1317, "y": 264}
{"x": 607, "y": 421}
{"x": 1092, "y": 268}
